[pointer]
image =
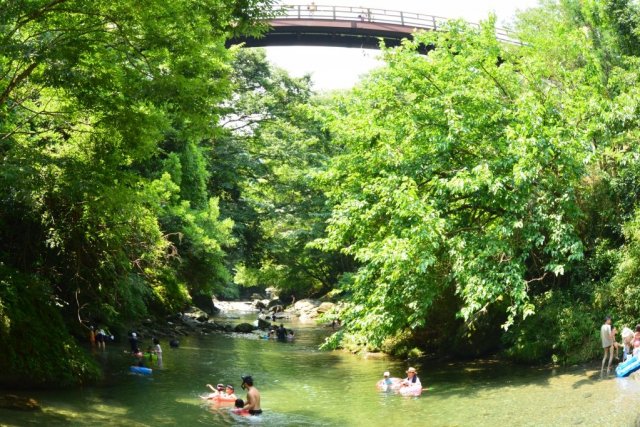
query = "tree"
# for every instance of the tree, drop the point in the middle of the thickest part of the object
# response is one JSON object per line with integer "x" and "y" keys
{"x": 459, "y": 172}
{"x": 264, "y": 175}
{"x": 88, "y": 92}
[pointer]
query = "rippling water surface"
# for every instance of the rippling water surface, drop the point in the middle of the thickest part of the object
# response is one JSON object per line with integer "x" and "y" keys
{"x": 302, "y": 386}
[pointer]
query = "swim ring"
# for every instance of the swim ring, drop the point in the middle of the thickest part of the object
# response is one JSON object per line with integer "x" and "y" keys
{"x": 219, "y": 398}
{"x": 140, "y": 370}
{"x": 395, "y": 384}
{"x": 410, "y": 390}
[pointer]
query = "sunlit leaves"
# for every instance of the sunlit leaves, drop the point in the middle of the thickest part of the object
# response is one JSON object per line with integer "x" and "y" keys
{"x": 456, "y": 172}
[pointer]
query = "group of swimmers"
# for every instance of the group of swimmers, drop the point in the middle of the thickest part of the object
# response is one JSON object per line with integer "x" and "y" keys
{"x": 409, "y": 386}
{"x": 280, "y": 333}
{"x": 630, "y": 343}
{"x": 226, "y": 394}
{"x": 155, "y": 350}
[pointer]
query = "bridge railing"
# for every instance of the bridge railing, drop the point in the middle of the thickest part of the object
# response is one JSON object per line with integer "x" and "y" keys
{"x": 313, "y": 11}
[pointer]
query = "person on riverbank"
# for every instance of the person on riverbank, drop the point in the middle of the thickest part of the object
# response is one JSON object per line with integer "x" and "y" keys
{"x": 607, "y": 344}
{"x": 627, "y": 343}
{"x": 101, "y": 339}
{"x": 133, "y": 342}
{"x": 253, "y": 396}
{"x": 92, "y": 336}
{"x": 616, "y": 345}
{"x": 411, "y": 384}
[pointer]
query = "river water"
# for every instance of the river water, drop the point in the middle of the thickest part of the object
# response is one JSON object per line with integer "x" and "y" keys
{"x": 302, "y": 386}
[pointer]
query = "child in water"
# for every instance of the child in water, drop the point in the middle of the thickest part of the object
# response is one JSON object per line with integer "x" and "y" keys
{"x": 239, "y": 408}
{"x": 217, "y": 391}
{"x": 386, "y": 382}
{"x": 229, "y": 392}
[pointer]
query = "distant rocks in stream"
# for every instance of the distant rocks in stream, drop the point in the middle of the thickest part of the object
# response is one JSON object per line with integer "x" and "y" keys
{"x": 197, "y": 321}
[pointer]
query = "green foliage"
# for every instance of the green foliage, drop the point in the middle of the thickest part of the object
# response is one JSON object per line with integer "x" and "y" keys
{"x": 37, "y": 350}
{"x": 97, "y": 101}
{"x": 563, "y": 331}
{"x": 264, "y": 176}
{"x": 456, "y": 172}
{"x": 623, "y": 293}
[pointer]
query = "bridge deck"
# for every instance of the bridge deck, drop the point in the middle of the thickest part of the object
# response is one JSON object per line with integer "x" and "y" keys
{"x": 343, "y": 26}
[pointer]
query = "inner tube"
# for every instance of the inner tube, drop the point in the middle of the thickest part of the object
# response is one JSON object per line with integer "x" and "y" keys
{"x": 224, "y": 398}
{"x": 395, "y": 384}
{"x": 627, "y": 367}
{"x": 140, "y": 370}
{"x": 410, "y": 391}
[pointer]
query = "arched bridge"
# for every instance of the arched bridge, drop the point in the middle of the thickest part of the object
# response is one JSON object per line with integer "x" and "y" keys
{"x": 343, "y": 26}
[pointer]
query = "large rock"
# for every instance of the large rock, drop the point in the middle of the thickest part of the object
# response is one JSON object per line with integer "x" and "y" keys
{"x": 325, "y": 307}
{"x": 195, "y": 314}
{"x": 274, "y": 303}
{"x": 263, "y": 324}
{"x": 244, "y": 328}
{"x": 205, "y": 303}
{"x": 259, "y": 304}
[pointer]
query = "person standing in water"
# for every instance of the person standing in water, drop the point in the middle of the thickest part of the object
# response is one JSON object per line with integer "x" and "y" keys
{"x": 158, "y": 351}
{"x": 412, "y": 382}
{"x": 253, "y": 396}
{"x": 607, "y": 343}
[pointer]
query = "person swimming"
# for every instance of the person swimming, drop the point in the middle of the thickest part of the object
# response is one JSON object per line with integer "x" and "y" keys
{"x": 218, "y": 390}
{"x": 239, "y": 408}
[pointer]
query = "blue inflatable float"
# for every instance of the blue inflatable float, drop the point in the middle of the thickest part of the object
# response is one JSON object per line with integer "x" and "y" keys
{"x": 630, "y": 365}
{"x": 140, "y": 370}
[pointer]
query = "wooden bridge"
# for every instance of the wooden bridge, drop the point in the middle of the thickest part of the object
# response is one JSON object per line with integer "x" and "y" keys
{"x": 343, "y": 26}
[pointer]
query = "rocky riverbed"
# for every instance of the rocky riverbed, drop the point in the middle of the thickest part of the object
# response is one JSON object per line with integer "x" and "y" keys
{"x": 197, "y": 321}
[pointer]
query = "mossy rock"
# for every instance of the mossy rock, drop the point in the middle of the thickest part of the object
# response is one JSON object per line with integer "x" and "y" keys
{"x": 244, "y": 328}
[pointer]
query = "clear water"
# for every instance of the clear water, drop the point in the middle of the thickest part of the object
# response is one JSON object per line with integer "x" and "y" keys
{"x": 302, "y": 386}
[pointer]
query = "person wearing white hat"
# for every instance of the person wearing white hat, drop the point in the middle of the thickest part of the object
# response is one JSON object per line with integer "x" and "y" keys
{"x": 412, "y": 381}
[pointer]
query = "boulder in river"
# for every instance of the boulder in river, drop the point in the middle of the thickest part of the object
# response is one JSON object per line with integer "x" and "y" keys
{"x": 263, "y": 324}
{"x": 244, "y": 328}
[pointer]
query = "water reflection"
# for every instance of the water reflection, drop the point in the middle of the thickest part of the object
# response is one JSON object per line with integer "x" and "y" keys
{"x": 302, "y": 386}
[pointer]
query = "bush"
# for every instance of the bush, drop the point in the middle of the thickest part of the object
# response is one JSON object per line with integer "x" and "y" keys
{"x": 37, "y": 349}
{"x": 563, "y": 331}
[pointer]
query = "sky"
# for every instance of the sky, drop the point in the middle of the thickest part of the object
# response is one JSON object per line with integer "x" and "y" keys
{"x": 340, "y": 68}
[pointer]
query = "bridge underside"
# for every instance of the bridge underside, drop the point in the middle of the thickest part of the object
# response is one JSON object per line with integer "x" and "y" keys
{"x": 350, "y": 34}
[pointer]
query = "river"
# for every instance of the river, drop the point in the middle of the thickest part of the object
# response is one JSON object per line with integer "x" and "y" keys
{"x": 302, "y": 386}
